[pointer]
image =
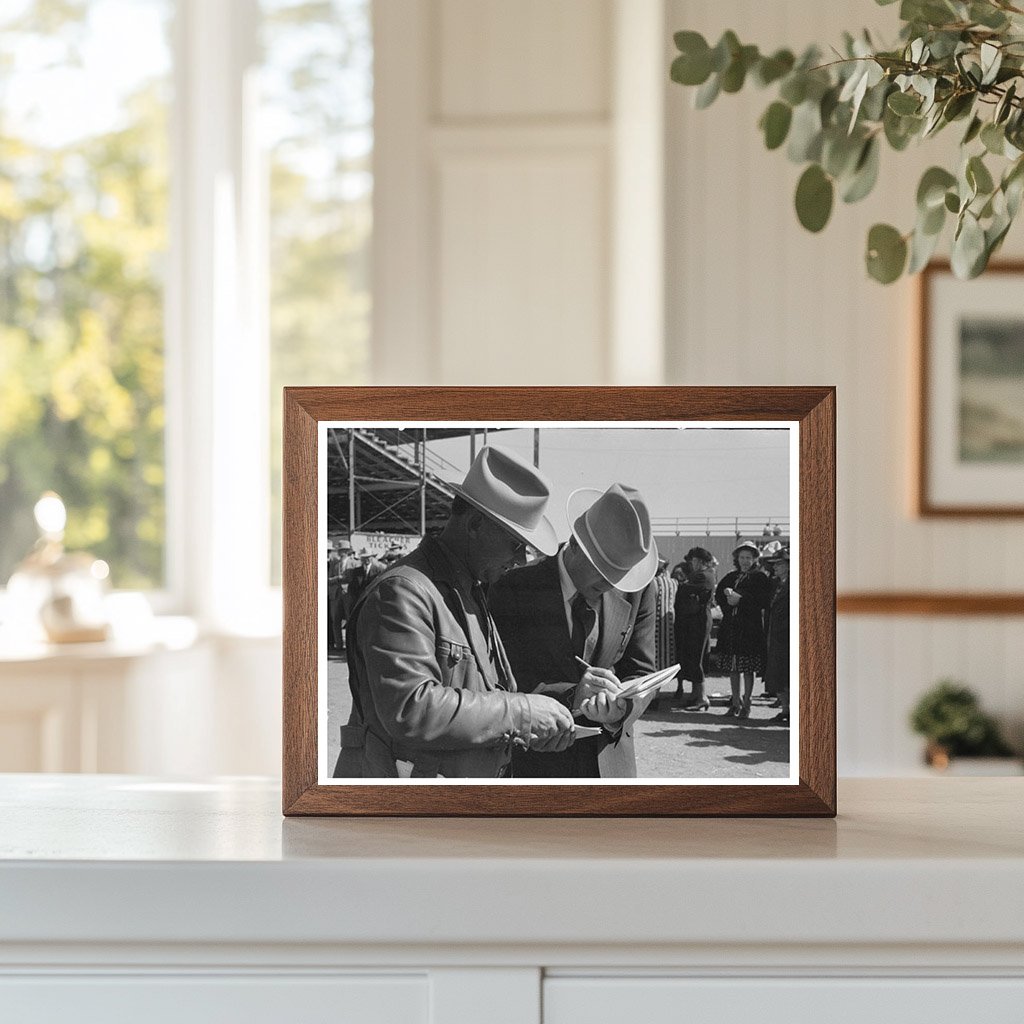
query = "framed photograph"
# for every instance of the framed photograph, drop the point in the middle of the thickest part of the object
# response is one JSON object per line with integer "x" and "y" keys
{"x": 971, "y": 393}
{"x": 559, "y": 601}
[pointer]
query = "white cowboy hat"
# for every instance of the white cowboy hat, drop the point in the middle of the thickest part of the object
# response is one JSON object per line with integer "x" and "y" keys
{"x": 614, "y": 530}
{"x": 511, "y": 491}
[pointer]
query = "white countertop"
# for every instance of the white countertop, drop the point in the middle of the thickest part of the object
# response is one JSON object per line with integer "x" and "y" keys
{"x": 123, "y": 859}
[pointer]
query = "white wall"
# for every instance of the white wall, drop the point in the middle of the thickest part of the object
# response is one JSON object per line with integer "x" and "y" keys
{"x": 753, "y": 298}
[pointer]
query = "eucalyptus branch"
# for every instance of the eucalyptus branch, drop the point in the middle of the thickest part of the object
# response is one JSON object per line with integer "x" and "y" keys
{"x": 833, "y": 117}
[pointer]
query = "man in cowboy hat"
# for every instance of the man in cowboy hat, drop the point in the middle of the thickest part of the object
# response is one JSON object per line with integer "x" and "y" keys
{"x": 339, "y": 570}
{"x": 594, "y": 601}
{"x": 432, "y": 691}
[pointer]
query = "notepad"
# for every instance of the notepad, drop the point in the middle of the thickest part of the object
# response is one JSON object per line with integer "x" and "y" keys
{"x": 645, "y": 684}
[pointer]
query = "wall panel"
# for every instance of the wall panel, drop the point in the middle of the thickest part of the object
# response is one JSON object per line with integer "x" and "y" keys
{"x": 520, "y": 244}
{"x": 531, "y": 58}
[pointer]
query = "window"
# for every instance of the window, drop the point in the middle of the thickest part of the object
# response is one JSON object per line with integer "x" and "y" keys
{"x": 185, "y": 220}
{"x": 317, "y": 116}
{"x": 83, "y": 237}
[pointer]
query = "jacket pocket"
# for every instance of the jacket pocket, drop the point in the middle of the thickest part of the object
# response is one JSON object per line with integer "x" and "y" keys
{"x": 453, "y": 658}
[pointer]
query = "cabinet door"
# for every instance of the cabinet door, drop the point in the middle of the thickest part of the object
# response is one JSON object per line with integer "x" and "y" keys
{"x": 205, "y": 999}
{"x": 654, "y": 1000}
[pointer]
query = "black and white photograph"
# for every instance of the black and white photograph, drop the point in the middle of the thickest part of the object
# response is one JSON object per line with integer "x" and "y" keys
{"x": 553, "y": 602}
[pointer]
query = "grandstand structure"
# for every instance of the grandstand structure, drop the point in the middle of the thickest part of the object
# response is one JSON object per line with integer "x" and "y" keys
{"x": 390, "y": 481}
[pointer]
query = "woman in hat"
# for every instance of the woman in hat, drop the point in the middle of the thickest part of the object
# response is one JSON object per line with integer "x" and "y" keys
{"x": 694, "y": 598}
{"x": 743, "y": 597}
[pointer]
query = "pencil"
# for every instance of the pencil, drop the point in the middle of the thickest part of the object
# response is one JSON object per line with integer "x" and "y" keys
{"x": 582, "y": 662}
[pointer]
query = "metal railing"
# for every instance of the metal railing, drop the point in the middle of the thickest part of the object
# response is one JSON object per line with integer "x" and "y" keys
{"x": 721, "y": 526}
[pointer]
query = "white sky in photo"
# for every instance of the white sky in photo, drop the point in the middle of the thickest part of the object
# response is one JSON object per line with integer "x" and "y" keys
{"x": 679, "y": 471}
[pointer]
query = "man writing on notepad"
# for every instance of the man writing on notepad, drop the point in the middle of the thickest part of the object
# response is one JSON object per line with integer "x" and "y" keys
{"x": 578, "y": 625}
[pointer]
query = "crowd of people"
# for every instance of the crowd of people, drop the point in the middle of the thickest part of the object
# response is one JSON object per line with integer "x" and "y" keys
{"x": 348, "y": 572}
{"x": 495, "y": 649}
{"x": 753, "y": 632}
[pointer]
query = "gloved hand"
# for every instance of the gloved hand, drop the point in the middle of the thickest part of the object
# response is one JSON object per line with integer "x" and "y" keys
{"x": 551, "y": 724}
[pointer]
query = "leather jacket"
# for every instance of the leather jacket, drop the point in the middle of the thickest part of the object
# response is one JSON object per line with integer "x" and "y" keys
{"x": 428, "y": 700}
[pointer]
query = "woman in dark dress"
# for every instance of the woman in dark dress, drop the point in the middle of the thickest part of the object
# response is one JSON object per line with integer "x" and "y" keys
{"x": 694, "y": 597}
{"x": 743, "y": 597}
{"x": 776, "y": 671}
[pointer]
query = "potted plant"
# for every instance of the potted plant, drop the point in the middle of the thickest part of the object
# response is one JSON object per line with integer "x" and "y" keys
{"x": 950, "y": 717}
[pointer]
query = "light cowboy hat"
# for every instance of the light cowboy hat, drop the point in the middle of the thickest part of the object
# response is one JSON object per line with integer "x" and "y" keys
{"x": 747, "y": 545}
{"x": 614, "y": 530}
{"x": 511, "y": 491}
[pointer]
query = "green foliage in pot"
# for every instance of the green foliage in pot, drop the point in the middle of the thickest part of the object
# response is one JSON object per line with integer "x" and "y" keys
{"x": 957, "y": 61}
{"x": 950, "y": 717}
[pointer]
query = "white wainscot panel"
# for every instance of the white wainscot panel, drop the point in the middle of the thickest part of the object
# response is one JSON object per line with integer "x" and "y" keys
{"x": 524, "y": 268}
{"x": 200, "y": 999}
{"x": 531, "y": 58}
{"x": 782, "y": 1001}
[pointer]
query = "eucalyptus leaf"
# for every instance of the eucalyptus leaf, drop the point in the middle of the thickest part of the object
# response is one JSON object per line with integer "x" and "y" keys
{"x": 707, "y": 93}
{"x": 972, "y": 132}
{"x": 932, "y": 221}
{"x": 1013, "y": 187}
{"x": 978, "y": 176}
{"x": 922, "y": 248}
{"x": 886, "y": 253}
{"x": 725, "y": 50}
{"x": 925, "y": 88}
{"x": 933, "y": 122}
{"x": 794, "y": 88}
{"x": 943, "y": 44}
{"x": 952, "y": 202}
{"x": 903, "y": 103}
{"x": 840, "y": 152}
{"x": 900, "y": 130}
{"x": 991, "y": 60}
{"x": 814, "y": 194}
{"x": 968, "y": 247}
{"x": 1013, "y": 191}
{"x": 873, "y": 106}
{"x": 1004, "y": 106}
{"x": 775, "y": 123}
{"x": 693, "y": 65}
{"x": 865, "y": 173}
{"x": 827, "y": 106}
{"x": 771, "y": 69}
{"x": 958, "y": 105}
{"x": 987, "y": 15}
{"x": 735, "y": 74}
{"x": 995, "y": 233}
{"x": 805, "y": 133}
{"x": 993, "y": 138}
{"x": 931, "y": 190}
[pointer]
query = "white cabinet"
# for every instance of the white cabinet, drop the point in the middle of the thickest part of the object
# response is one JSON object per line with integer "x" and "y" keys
{"x": 824, "y": 1000}
{"x": 202, "y": 999}
{"x": 131, "y": 898}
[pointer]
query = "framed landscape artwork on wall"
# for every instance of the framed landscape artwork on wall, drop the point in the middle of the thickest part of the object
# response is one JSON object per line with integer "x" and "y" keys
{"x": 970, "y": 451}
{"x": 559, "y": 601}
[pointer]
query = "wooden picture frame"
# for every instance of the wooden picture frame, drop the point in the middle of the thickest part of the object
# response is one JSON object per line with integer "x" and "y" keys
{"x": 969, "y": 447}
{"x": 809, "y": 415}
